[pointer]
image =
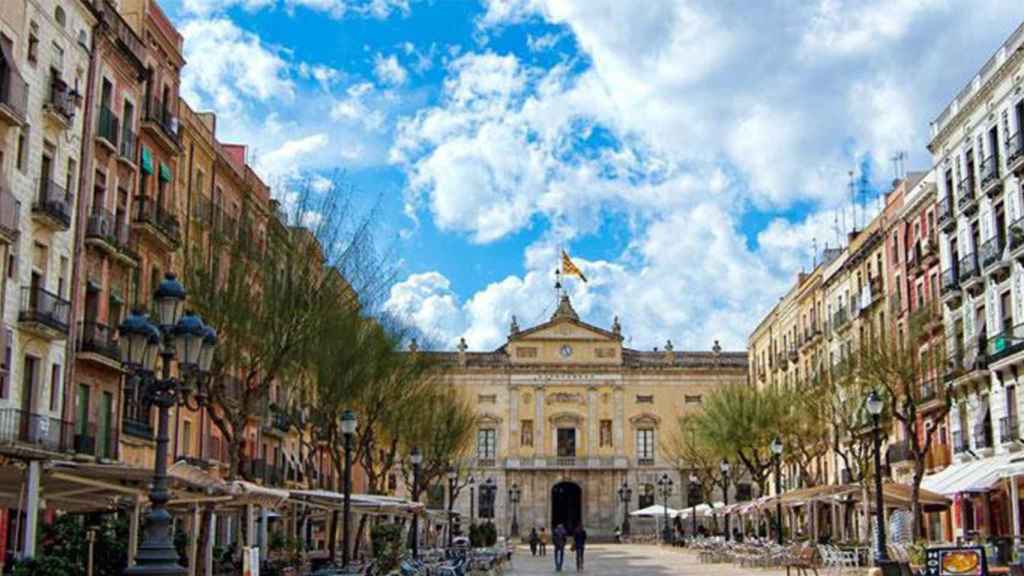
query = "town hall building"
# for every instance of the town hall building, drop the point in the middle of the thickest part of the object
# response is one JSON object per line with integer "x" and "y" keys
{"x": 567, "y": 414}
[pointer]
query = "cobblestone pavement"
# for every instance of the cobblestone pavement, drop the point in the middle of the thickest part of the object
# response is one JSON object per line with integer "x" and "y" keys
{"x": 628, "y": 560}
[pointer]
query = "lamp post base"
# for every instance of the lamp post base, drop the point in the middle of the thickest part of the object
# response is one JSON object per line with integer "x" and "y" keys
{"x": 888, "y": 567}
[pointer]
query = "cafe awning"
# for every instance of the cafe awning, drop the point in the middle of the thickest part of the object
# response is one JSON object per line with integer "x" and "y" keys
{"x": 361, "y": 503}
{"x": 974, "y": 476}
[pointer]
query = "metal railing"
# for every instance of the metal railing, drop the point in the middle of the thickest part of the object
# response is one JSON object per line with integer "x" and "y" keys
{"x": 10, "y": 212}
{"x": 98, "y": 338}
{"x": 137, "y": 428}
{"x": 108, "y": 125}
{"x": 840, "y": 318}
{"x": 968, "y": 267}
{"x": 101, "y": 225}
{"x": 965, "y": 190}
{"x": 899, "y": 452}
{"x": 950, "y": 280}
{"x": 24, "y": 427}
{"x": 157, "y": 112}
{"x": 1008, "y": 430}
{"x": 1015, "y": 149}
{"x": 989, "y": 171}
{"x": 992, "y": 251}
{"x": 62, "y": 99}
{"x": 40, "y": 305}
{"x": 149, "y": 211}
{"x": 983, "y": 436}
{"x": 54, "y": 201}
{"x": 13, "y": 93}
{"x": 945, "y": 210}
{"x": 126, "y": 148}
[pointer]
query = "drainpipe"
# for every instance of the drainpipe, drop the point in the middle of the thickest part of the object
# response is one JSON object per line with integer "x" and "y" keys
{"x": 78, "y": 241}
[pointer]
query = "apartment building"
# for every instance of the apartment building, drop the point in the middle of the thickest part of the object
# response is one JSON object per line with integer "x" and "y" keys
{"x": 978, "y": 151}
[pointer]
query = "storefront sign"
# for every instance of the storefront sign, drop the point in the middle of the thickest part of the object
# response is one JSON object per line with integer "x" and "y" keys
{"x": 956, "y": 561}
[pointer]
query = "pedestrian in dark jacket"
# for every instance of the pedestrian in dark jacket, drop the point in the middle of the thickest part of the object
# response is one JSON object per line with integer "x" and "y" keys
{"x": 558, "y": 539}
{"x": 534, "y": 540}
{"x": 579, "y": 538}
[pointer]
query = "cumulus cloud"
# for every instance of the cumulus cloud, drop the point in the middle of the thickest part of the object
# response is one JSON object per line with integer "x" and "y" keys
{"x": 379, "y": 9}
{"x": 389, "y": 71}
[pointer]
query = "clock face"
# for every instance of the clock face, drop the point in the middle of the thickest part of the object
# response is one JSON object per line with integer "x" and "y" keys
{"x": 566, "y": 351}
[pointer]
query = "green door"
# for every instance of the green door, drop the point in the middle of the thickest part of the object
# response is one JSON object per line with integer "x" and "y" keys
{"x": 82, "y": 415}
{"x": 106, "y": 418}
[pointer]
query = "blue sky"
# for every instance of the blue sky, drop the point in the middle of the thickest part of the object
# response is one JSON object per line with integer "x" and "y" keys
{"x": 688, "y": 154}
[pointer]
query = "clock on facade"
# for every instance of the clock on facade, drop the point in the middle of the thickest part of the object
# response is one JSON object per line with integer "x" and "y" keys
{"x": 566, "y": 351}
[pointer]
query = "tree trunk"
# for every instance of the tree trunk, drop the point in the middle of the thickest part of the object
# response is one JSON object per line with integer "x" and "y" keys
{"x": 359, "y": 536}
{"x": 332, "y": 538}
{"x": 204, "y": 541}
{"x": 915, "y": 502}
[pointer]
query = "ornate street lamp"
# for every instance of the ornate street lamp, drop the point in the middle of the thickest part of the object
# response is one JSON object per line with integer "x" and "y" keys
{"x": 625, "y": 496}
{"x": 452, "y": 477}
{"x": 776, "y": 448}
{"x": 693, "y": 495}
{"x": 874, "y": 406}
{"x": 665, "y": 487}
{"x": 513, "y": 498}
{"x": 189, "y": 342}
{"x": 349, "y": 424}
{"x": 416, "y": 458}
{"x": 472, "y": 500}
{"x": 724, "y": 467}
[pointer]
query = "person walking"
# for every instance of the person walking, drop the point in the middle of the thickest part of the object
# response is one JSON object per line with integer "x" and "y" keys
{"x": 558, "y": 538}
{"x": 534, "y": 539}
{"x": 543, "y": 538}
{"x": 579, "y": 540}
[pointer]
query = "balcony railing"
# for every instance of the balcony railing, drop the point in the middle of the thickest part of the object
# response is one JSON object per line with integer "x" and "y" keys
{"x": 950, "y": 280}
{"x": 959, "y": 442}
{"x": 126, "y": 149}
{"x": 840, "y": 318}
{"x": 54, "y": 202}
{"x": 966, "y": 202}
{"x": 39, "y": 430}
{"x": 1015, "y": 151}
{"x": 137, "y": 428}
{"x": 148, "y": 211}
{"x": 989, "y": 172}
{"x": 108, "y": 127}
{"x": 62, "y": 100}
{"x": 92, "y": 441}
{"x": 10, "y": 213}
{"x": 100, "y": 339}
{"x": 1006, "y": 342}
{"x": 39, "y": 305}
{"x": 983, "y": 436}
{"x": 991, "y": 251}
{"x": 968, "y": 267}
{"x": 13, "y": 96}
{"x": 158, "y": 113}
{"x": 101, "y": 225}
{"x": 945, "y": 215}
{"x": 1008, "y": 430}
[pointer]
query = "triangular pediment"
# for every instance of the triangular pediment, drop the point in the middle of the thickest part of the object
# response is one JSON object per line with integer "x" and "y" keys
{"x": 566, "y": 329}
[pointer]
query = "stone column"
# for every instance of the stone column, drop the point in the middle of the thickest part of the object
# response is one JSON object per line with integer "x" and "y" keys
{"x": 514, "y": 435}
{"x": 538, "y": 422}
{"x": 592, "y": 421}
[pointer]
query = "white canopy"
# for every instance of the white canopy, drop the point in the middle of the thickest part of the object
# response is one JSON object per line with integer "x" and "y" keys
{"x": 977, "y": 476}
{"x": 703, "y": 510}
{"x": 655, "y": 511}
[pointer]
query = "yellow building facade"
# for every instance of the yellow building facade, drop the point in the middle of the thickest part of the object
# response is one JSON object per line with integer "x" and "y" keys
{"x": 568, "y": 414}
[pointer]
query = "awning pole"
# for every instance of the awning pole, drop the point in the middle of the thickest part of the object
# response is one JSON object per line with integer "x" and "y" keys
{"x": 193, "y": 545}
{"x": 133, "y": 533}
{"x": 32, "y": 512}
{"x": 250, "y": 526}
{"x": 1015, "y": 508}
{"x": 208, "y": 553}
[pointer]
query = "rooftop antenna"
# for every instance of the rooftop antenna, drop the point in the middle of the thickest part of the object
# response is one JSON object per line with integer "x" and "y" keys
{"x": 899, "y": 165}
{"x": 853, "y": 205}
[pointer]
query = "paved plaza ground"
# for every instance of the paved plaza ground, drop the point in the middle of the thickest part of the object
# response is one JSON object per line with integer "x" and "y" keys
{"x": 628, "y": 560}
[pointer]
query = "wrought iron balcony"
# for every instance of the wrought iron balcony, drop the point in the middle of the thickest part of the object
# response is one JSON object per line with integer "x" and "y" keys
{"x": 152, "y": 215}
{"x": 1006, "y": 343}
{"x": 162, "y": 121}
{"x": 1008, "y": 430}
{"x": 107, "y": 129}
{"x": 946, "y": 216}
{"x": 90, "y": 440}
{"x": 44, "y": 312}
{"x": 13, "y": 97}
{"x": 992, "y": 253}
{"x": 967, "y": 202}
{"x": 53, "y": 204}
{"x": 959, "y": 442}
{"x": 99, "y": 339}
{"x": 1015, "y": 152}
{"x": 991, "y": 180}
{"x": 899, "y": 452}
{"x": 840, "y": 318}
{"x": 62, "y": 102}
{"x": 10, "y": 214}
{"x": 35, "y": 430}
{"x": 970, "y": 276}
{"x": 126, "y": 149}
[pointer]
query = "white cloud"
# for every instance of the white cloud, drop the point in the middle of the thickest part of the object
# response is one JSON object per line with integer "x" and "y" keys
{"x": 389, "y": 71}
{"x": 281, "y": 160}
{"x": 849, "y": 27}
{"x": 543, "y": 42}
{"x": 379, "y": 9}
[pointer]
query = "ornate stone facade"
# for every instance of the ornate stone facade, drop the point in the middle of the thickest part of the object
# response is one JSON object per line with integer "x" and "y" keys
{"x": 568, "y": 413}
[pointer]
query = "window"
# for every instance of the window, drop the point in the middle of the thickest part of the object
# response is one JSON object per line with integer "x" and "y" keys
{"x": 645, "y": 446}
{"x": 526, "y": 433}
{"x": 486, "y": 500}
{"x": 605, "y": 433}
{"x": 22, "y": 158}
{"x": 692, "y": 399}
{"x": 485, "y": 443}
{"x": 526, "y": 352}
{"x": 60, "y": 16}
{"x": 646, "y": 496}
{"x": 6, "y": 353}
{"x": 645, "y": 399}
{"x": 1007, "y": 311}
{"x": 54, "y": 387}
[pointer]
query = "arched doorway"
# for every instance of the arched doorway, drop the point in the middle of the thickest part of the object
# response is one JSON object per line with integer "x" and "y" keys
{"x": 566, "y": 505}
